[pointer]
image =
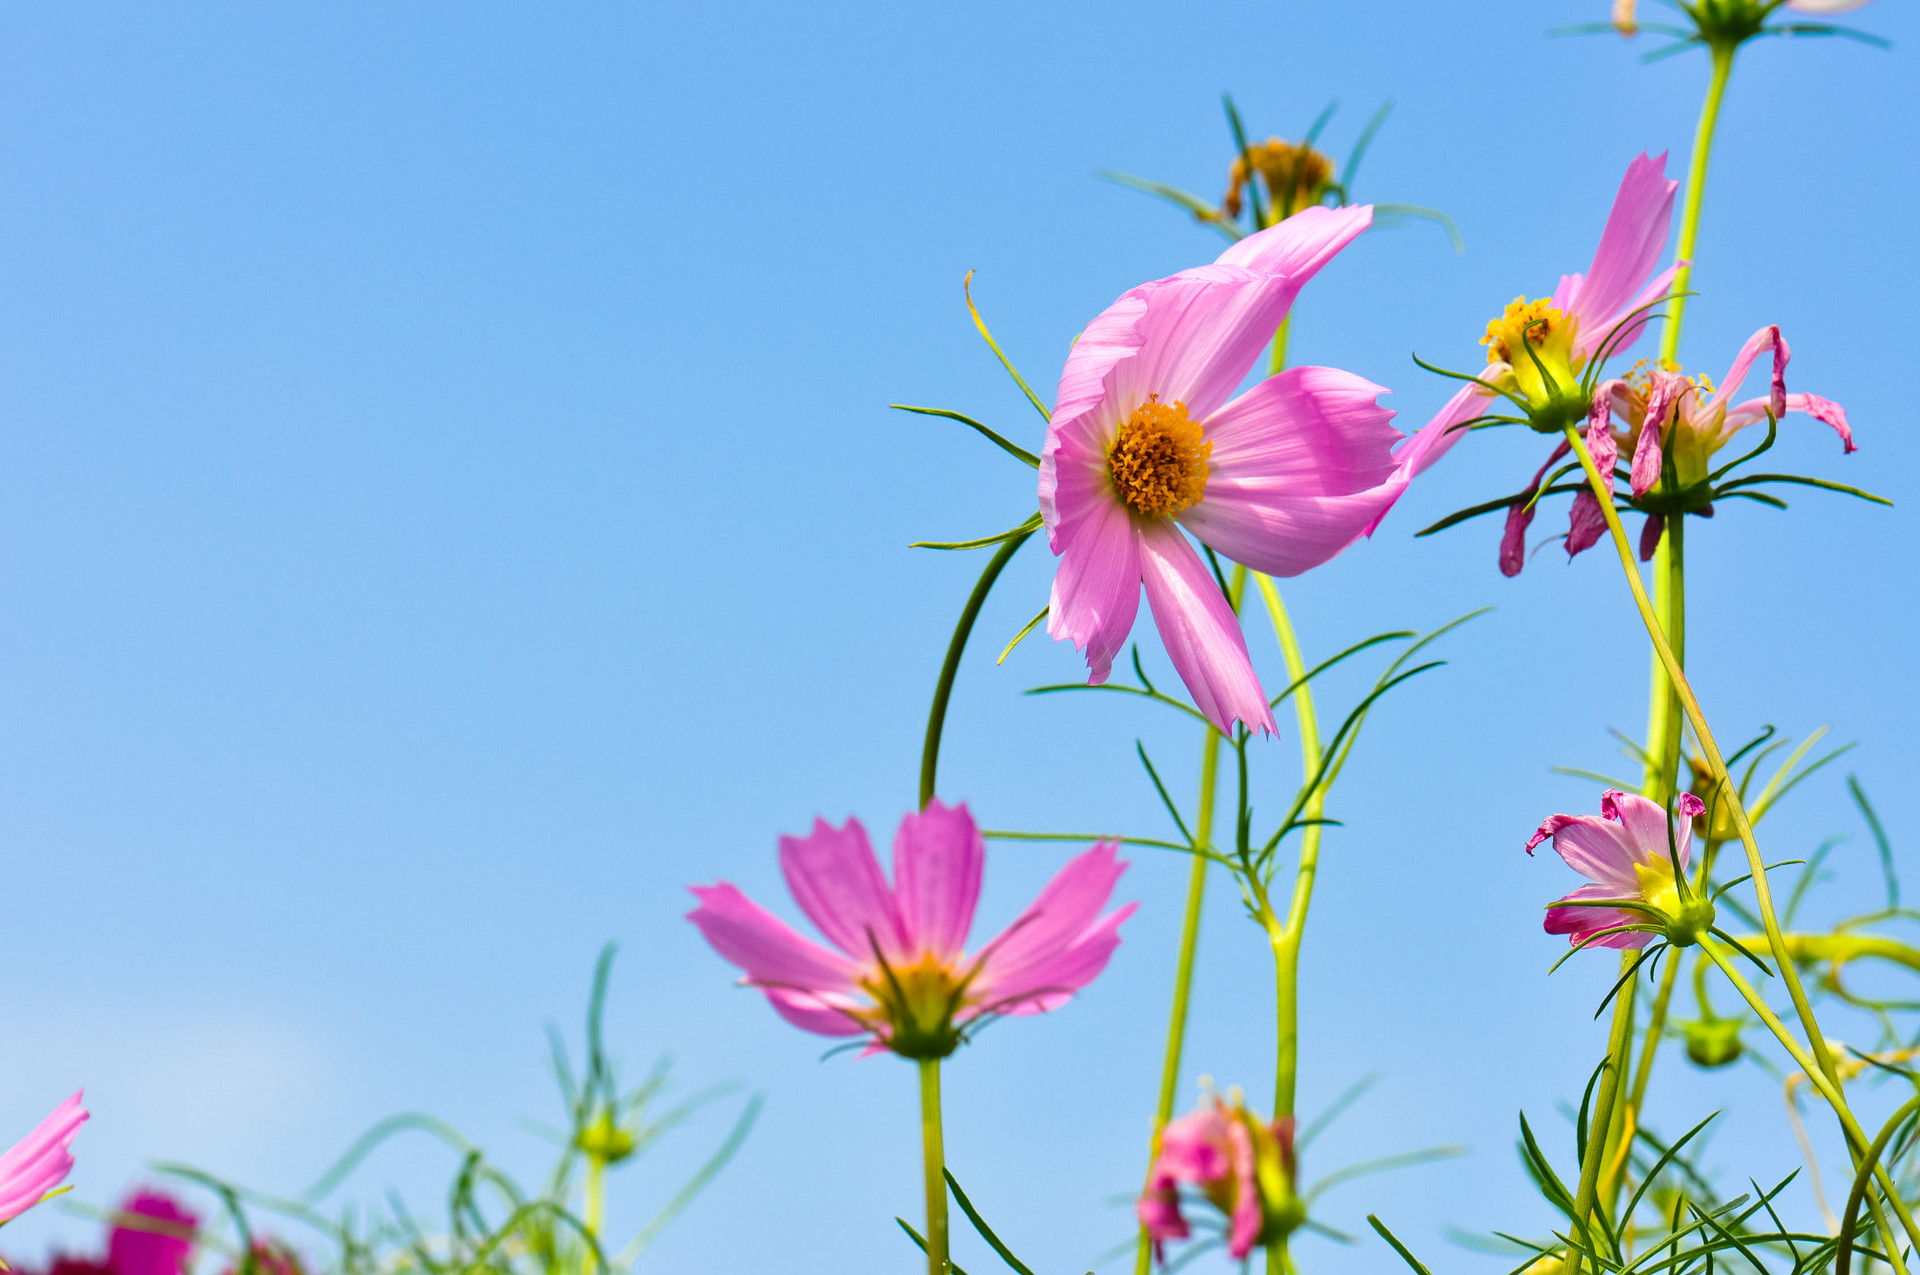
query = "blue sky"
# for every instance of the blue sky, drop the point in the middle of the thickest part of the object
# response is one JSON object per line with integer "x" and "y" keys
{"x": 448, "y": 504}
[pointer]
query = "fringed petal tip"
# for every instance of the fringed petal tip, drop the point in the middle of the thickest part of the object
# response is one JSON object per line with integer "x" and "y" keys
{"x": 1691, "y": 807}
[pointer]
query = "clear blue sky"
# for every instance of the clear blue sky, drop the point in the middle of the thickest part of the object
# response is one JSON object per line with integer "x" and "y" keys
{"x": 448, "y": 503}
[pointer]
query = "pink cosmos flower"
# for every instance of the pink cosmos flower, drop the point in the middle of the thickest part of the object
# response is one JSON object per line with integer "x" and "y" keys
{"x": 1625, "y": 855}
{"x": 1625, "y": 21}
{"x": 897, "y": 971}
{"x": 1538, "y": 350}
{"x": 1146, "y": 439}
{"x": 153, "y": 1236}
{"x": 40, "y": 1161}
{"x": 1245, "y": 1169}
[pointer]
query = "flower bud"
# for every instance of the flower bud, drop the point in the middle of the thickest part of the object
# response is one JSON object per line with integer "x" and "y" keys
{"x": 604, "y": 1141}
{"x": 1713, "y": 1042}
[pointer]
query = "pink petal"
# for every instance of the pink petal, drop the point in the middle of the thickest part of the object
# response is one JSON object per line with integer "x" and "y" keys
{"x": 835, "y": 878}
{"x": 1299, "y": 246}
{"x": 1043, "y": 940}
{"x": 1650, "y": 536}
{"x": 1577, "y": 923}
{"x": 163, "y": 1250}
{"x": 1827, "y": 411}
{"x": 1447, "y": 427}
{"x": 1096, "y": 590}
{"x": 821, "y": 1015}
{"x": 40, "y": 1161}
{"x": 1645, "y": 825}
{"x": 1613, "y": 333}
{"x": 1635, "y": 236}
{"x": 1513, "y": 540}
{"x": 1600, "y": 443}
{"x": 1299, "y": 470}
{"x": 1767, "y": 338}
{"x": 1200, "y": 631}
{"x": 1199, "y": 337}
{"x": 1248, "y": 1219}
{"x": 1048, "y": 983}
{"x": 938, "y": 857}
{"x": 1586, "y": 524}
{"x": 1647, "y": 457}
{"x": 1596, "y": 849}
{"x": 764, "y": 946}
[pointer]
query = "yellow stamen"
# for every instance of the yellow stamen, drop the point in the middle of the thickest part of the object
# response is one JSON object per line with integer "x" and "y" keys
{"x": 1158, "y": 461}
{"x": 1533, "y": 320}
{"x": 1656, "y": 885}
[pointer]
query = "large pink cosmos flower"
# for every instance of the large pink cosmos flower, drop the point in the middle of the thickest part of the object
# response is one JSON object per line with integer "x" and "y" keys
{"x": 1146, "y": 438}
{"x": 40, "y": 1161}
{"x": 1244, "y": 1167}
{"x": 1626, "y": 857}
{"x": 900, "y": 974}
{"x": 1537, "y": 350}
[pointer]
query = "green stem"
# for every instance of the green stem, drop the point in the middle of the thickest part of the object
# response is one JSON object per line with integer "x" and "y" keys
{"x": 943, "y": 689}
{"x": 1189, "y": 942}
{"x": 596, "y": 1195}
{"x": 934, "y": 1158}
{"x": 1286, "y": 940}
{"x": 1279, "y": 363}
{"x": 1696, "y": 186}
{"x": 1663, "y": 704}
{"x": 1600, "y": 1115}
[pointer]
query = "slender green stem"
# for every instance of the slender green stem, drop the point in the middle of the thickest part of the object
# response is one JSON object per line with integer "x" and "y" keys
{"x": 1189, "y": 942}
{"x": 933, "y": 1154}
{"x": 1286, "y": 940}
{"x": 1600, "y": 1115}
{"x": 1696, "y": 187}
{"x": 950, "y": 668}
{"x": 596, "y": 1195}
{"x": 1663, "y": 704}
{"x": 1279, "y": 363}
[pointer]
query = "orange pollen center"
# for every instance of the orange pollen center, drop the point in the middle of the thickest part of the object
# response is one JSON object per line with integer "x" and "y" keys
{"x": 1532, "y": 321}
{"x": 1158, "y": 461}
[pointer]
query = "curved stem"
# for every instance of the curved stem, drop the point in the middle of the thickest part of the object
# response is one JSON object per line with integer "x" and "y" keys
{"x": 933, "y": 1157}
{"x": 1600, "y": 1116}
{"x": 1286, "y": 942}
{"x": 943, "y": 689}
{"x": 1696, "y": 186}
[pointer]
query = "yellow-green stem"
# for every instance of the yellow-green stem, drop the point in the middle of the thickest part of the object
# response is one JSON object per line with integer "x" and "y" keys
{"x": 934, "y": 1160}
{"x": 1600, "y": 1114}
{"x": 596, "y": 1195}
{"x": 1696, "y": 187}
{"x": 1280, "y": 346}
{"x": 1189, "y": 941}
{"x": 1663, "y": 705}
{"x": 1822, "y": 1064}
{"x": 1286, "y": 943}
{"x": 1637, "y": 1093}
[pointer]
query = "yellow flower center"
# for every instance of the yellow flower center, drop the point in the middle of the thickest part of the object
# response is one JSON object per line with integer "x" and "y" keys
{"x": 917, "y": 1004}
{"x": 1657, "y": 887}
{"x": 1158, "y": 461}
{"x": 1531, "y": 321}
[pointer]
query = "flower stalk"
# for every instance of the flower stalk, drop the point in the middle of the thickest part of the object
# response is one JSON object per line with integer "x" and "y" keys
{"x": 933, "y": 1156}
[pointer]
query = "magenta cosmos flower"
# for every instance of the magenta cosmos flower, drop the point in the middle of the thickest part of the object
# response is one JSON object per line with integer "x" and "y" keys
{"x": 1146, "y": 438}
{"x": 1627, "y": 859}
{"x": 1244, "y": 1168}
{"x": 40, "y": 1161}
{"x": 153, "y": 1236}
{"x": 1543, "y": 353}
{"x": 897, "y": 970}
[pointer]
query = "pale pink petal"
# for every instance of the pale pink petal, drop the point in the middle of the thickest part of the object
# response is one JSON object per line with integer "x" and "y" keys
{"x": 1248, "y": 1219}
{"x": 1826, "y": 6}
{"x": 1299, "y": 470}
{"x": 1635, "y": 236}
{"x": 821, "y": 1015}
{"x": 1042, "y": 948}
{"x": 1096, "y": 590}
{"x": 1299, "y": 246}
{"x": 1613, "y": 333}
{"x": 40, "y": 1161}
{"x": 1566, "y": 291}
{"x": 764, "y": 946}
{"x": 1046, "y": 983}
{"x": 1577, "y": 923}
{"x": 837, "y": 882}
{"x": 1585, "y": 524}
{"x": 1647, "y": 457}
{"x": 1826, "y": 411}
{"x": 1200, "y": 631}
{"x": 1448, "y": 426}
{"x": 1199, "y": 336}
{"x": 1645, "y": 825}
{"x": 1595, "y": 848}
{"x": 1600, "y": 442}
{"x": 938, "y": 857}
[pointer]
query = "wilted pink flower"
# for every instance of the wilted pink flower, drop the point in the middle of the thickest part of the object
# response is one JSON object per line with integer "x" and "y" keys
{"x": 152, "y": 1235}
{"x": 40, "y": 1161}
{"x": 1693, "y": 422}
{"x": 1144, "y": 442}
{"x": 1626, "y": 856}
{"x": 900, "y": 973}
{"x": 1244, "y": 1167}
{"x": 1538, "y": 350}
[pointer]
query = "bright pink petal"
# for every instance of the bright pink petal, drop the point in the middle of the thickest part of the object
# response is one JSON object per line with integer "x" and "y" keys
{"x": 160, "y": 1246}
{"x": 1298, "y": 470}
{"x": 764, "y": 946}
{"x": 1299, "y": 246}
{"x": 821, "y": 1015}
{"x": 938, "y": 857}
{"x": 1096, "y": 590}
{"x": 1613, "y": 333}
{"x": 1635, "y": 236}
{"x": 1199, "y": 337}
{"x": 1596, "y": 849}
{"x": 1513, "y": 540}
{"x": 1767, "y": 338}
{"x": 1824, "y": 410}
{"x": 1645, "y": 825}
{"x": 1248, "y": 1219}
{"x": 1578, "y": 922}
{"x": 1060, "y": 942}
{"x": 837, "y": 882}
{"x": 1200, "y": 631}
{"x": 1447, "y": 427}
{"x": 40, "y": 1161}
